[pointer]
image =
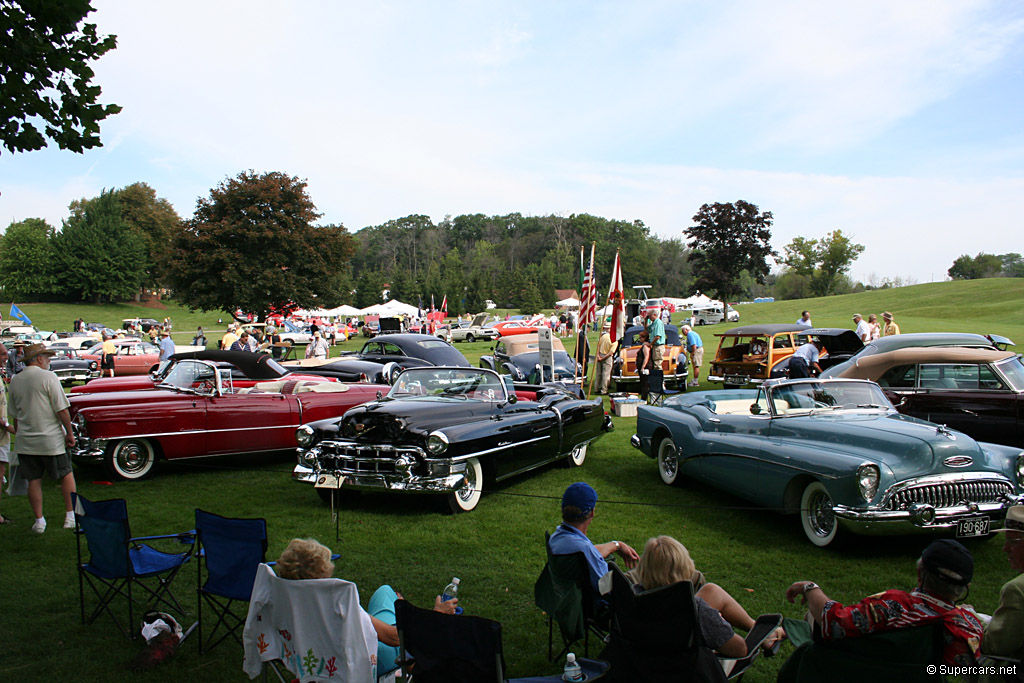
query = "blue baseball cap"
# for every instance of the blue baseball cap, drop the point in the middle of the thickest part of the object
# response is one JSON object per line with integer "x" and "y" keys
{"x": 580, "y": 495}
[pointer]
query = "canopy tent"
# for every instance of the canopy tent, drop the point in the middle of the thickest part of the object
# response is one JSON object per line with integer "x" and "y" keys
{"x": 344, "y": 310}
{"x": 568, "y": 303}
{"x": 695, "y": 301}
{"x": 390, "y": 308}
{"x": 312, "y": 313}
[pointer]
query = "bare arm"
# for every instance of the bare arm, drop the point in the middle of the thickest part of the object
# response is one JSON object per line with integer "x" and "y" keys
{"x": 65, "y": 420}
{"x": 815, "y": 599}
{"x": 628, "y": 555}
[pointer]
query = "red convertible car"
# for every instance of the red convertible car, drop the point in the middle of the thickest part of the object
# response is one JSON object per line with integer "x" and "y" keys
{"x": 246, "y": 370}
{"x": 509, "y": 327}
{"x": 198, "y": 411}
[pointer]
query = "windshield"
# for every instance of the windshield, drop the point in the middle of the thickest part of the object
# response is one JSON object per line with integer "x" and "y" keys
{"x": 467, "y": 383}
{"x": 197, "y": 376}
{"x": 802, "y": 398}
{"x": 1013, "y": 371}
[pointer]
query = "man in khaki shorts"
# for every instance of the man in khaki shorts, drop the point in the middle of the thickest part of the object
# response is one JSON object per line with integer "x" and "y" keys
{"x": 41, "y": 420}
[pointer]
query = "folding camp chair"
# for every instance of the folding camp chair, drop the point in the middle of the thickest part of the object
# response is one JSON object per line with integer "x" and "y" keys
{"x": 445, "y": 648}
{"x": 657, "y": 392}
{"x": 563, "y": 590}
{"x": 230, "y": 551}
{"x": 118, "y": 562}
{"x": 655, "y": 636}
{"x": 315, "y": 628}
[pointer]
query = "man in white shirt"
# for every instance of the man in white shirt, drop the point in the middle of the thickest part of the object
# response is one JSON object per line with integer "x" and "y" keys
{"x": 863, "y": 329}
{"x": 804, "y": 358}
{"x": 805, "y": 319}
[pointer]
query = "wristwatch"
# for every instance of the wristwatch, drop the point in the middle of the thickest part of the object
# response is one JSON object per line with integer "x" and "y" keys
{"x": 616, "y": 545}
{"x": 809, "y": 586}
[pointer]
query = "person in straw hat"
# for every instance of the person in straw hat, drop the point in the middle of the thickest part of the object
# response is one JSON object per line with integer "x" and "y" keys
{"x": 42, "y": 423}
{"x": 890, "y": 327}
{"x": 1004, "y": 636}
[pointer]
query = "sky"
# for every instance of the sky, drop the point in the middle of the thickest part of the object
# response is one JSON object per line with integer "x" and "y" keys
{"x": 900, "y": 123}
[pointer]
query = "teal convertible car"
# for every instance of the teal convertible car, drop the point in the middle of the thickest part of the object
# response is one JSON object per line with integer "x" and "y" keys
{"x": 836, "y": 452}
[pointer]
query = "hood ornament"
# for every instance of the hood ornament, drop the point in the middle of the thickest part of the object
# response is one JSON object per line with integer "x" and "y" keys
{"x": 946, "y": 432}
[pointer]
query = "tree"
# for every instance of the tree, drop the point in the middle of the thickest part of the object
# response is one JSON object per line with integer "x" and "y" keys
{"x": 98, "y": 254}
{"x": 824, "y": 263}
{"x": 26, "y": 260}
{"x": 1013, "y": 265}
{"x": 252, "y": 245}
{"x": 980, "y": 266}
{"x": 726, "y": 240}
{"x": 44, "y": 68}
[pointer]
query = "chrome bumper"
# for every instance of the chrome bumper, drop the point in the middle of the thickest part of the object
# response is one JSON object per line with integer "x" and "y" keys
{"x": 88, "y": 450}
{"x": 746, "y": 379}
{"x": 899, "y": 522}
{"x": 362, "y": 481}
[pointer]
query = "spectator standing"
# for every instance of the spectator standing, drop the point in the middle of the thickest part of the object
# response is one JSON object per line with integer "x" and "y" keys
{"x": 579, "y": 503}
{"x": 643, "y": 363}
{"x": 695, "y": 349}
{"x": 5, "y": 426}
{"x": 863, "y": 330}
{"x": 876, "y": 331}
{"x": 891, "y": 327}
{"x": 804, "y": 358}
{"x": 242, "y": 343}
{"x": 274, "y": 339}
{"x": 154, "y": 331}
{"x": 562, "y": 321}
{"x": 43, "y": 425}
{"x": 228, "y": 340}
{"x": 656, "y": 331}
{"x": 605, "y": 350}
{"x": 14, "y": 360}
{"x": 804, "y": 319}
{"x": 1004, "y": 636}
{"x": 944, "y": 573}
{"x": 109, "y": 350}
{"x": 317, "y": 347}
{"x": 166, "y": 345}
{"x": 200, "y": 338}
{"x": 666, "y": 316}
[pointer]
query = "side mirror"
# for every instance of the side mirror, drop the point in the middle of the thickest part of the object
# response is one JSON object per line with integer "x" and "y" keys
{"x": 755, "y": 409}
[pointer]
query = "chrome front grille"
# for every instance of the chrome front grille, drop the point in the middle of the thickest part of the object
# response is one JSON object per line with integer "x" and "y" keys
{"x": 950, "y": 494}
{"x": 366, "y": 459}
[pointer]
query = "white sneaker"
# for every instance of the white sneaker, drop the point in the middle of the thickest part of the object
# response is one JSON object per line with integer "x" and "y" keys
{"x": 69, "y": 522}
{"x": 39, "y": 526}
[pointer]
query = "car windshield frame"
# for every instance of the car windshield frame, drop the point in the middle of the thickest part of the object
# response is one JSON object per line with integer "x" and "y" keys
{"x": 191, "y": 375}
{"x": 1012, "y": 371}
{"x": 816, "y": 396}
{"x": 472, "y": 384}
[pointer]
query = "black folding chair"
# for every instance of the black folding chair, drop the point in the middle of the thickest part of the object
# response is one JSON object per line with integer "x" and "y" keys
{"x": 657, "y": 392}
{"x": 655, "y": 636}
{"x": 445, "y": 648}
{"x": 118, "y": 562}
{"x": 230, "y": 551}
{"x": 564, "y": 591}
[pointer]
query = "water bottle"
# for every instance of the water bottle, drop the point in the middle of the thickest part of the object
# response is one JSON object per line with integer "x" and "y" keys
{"x": 451, "y": 591}
{"x": 572, "y": 671}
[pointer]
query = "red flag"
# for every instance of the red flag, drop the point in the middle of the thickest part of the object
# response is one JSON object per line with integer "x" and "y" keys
{"x": 617, "y": 299}
{"x": 444, "y": 304}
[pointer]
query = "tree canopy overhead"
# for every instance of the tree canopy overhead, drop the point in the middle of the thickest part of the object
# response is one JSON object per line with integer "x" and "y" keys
{"x": 46, "y": 77}
{"x": 727, "y": 240}
{"x": 252, "y": 245}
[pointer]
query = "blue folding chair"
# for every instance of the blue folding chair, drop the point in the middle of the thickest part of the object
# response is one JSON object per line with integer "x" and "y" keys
{"x": 230, "y": 551}
{"x": 118, "y": 562}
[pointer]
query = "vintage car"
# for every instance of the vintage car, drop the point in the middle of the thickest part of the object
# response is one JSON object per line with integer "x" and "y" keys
{"x": 977, "y": 391}
{"x": 840, "y": 344}
{"x": 748, "y": 354}
{"x": 474, "y": 330}
{"x": 380, "y": 357}
{"x": 70, "y": 367}
{"x": 674, "y": 364}
{"x": 447, "y": 431}
{"x": 75, "y": 340}
{"x": 507, "y": 328}
{"x": 139, "y": 323}
{"x": 923, "y": 339}
{"x": 197, "y": 411}
{"x": 132, "y": 356}
{"x": 294, "y": 333}
{"x": 519, "y": 357}
{"x": 836, "y": 452}
{"x": 246, "y": 370}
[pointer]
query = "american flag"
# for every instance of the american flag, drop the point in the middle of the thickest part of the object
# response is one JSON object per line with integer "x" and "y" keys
{"x": 588, "y": 297}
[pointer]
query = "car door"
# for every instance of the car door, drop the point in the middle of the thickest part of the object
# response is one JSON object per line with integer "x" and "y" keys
{"x": 969, "y": 397}
{"x": 733, "y": 439}
{"x": 238, "y": 423}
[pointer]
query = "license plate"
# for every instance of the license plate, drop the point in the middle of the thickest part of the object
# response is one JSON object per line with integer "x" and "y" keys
{"x": 736, "y": 379}
{"x": 329, "y": 481}
{"x": 972, "y": 526}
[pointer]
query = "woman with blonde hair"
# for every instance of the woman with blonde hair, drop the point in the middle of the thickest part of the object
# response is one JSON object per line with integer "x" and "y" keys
{"x": 305, "y": 558}
{"x": 666, "y": 561}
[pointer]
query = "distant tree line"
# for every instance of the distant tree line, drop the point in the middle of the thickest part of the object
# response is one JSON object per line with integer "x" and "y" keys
{"x": 987, "y": 265}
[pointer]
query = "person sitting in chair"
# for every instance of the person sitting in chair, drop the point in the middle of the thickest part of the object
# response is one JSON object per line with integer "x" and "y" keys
{"x": 305, "y": 558}
{"x": 1004, "y": 636}
{"x": 944, "y": 573}
{"x": 666, "y": 561}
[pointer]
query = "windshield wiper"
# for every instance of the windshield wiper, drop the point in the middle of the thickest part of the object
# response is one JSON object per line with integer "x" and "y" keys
{"x": 869, "y": 405}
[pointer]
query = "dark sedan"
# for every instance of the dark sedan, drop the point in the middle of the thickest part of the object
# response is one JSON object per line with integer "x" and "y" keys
{"x": 519, "y": 357}
{"x": 977, "y": 391}
{"x": 381, "y": 358}
{"x": 70, "y": 367}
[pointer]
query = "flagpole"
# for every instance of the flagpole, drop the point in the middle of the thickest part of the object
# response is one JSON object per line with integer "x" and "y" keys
{"x": 582, "y": 295}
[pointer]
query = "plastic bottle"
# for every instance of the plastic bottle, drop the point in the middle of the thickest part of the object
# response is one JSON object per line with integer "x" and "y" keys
{"x": 451, "y": 591}
{"x": 572, "y": 671}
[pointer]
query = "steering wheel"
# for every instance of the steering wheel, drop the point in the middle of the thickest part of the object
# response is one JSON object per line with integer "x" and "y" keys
{"x": 206, "y": 387}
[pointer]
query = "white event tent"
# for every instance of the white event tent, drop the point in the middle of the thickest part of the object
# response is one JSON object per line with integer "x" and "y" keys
{"x": 571, "y": 302}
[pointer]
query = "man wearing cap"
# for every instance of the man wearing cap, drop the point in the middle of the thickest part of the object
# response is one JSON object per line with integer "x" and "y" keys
{"x": 1004, "y": 635}
{"x": 605, "y": 349}
{"x": 166, "y": 345}
{"x": 42, "y": 424}
{"x": 695, "y": 349}
{"x": 804, "y": 358}
{"x": 890, "y": 328}
{"x": 863, "y": 329}
{"x": 944, "y": 572}
{"x": 578, "y": 505}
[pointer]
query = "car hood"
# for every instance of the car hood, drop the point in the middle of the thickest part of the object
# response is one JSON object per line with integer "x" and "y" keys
{"x": 909, "y": 447}
{"x": 111, "y": 398}
{"x": 404, "y": 420}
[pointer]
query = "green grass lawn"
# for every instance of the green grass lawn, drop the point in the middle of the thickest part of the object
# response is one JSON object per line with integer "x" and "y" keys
{"x": 497, "y": 550}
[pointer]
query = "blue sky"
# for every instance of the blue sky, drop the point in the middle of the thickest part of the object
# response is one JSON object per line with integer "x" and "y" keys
{"x": 900, "y": 123}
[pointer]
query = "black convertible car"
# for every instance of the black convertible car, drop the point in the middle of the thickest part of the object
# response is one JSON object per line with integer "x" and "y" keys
{"x": 447, "y": 431}
{"x": 381, "y": 359}
{"x": 519, "y": 357}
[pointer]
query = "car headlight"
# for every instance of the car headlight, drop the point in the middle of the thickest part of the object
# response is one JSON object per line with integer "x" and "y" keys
{"x": 80, "y": 428}
{"x": 304, "y": 436}
{"x": 1020, "y": 470}
{"x": 437, "y": 443}
{"x": 867, "y": 480}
